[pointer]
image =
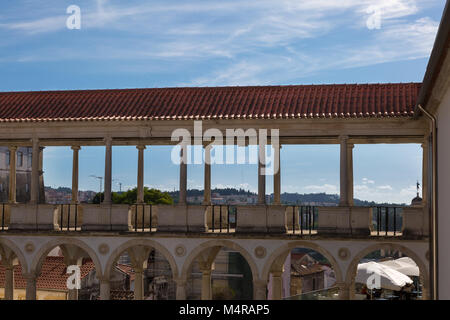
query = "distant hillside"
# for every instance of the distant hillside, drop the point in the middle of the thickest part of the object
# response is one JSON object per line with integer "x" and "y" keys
{"x": 286, "y": 198}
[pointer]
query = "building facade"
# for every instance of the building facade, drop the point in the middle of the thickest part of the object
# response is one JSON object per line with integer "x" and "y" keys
{"x": 264, "y": 234}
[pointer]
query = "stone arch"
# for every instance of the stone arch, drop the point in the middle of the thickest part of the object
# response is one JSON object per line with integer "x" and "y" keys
{"x": 281, "y": 253}
{"x": 43, "y": 251}
{"x": 14, "y": 248}
{"x": 223, "y": 244}
{"x": 352, "y": 269}
{"x": 140, "y": 242}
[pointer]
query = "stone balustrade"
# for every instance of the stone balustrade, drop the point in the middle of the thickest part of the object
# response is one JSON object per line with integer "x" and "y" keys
{"x": 33, "y": 217}
{"x": 273, "y": 219}
{"x": 415, "y": 221}
{"x": 102, "y": 217}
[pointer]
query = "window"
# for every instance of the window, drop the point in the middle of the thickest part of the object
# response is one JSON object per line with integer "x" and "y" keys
{"x": 29, "y": 159}
{"x": 26, "y": 187}
{"x": 8, "y": 157}
{"x": 19, "y": 159}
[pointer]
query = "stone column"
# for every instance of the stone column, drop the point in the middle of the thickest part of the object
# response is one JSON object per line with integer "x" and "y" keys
{"x": 108, "y": 169}
{"x": 277, "y": 285}
{"x": 181, "y": 290}
{"x": 75, "y": 149}
{"x": 41, "y": 191}
{"x": 34, "y": 190}
{"x": 259, "y": 290}
{"x": 425, "y": 173}
{"x": 261, "y": 176}
{"x": 104, "y": 289}
{"x": 183, "y": 175}
{"x": 277, "y": 177}
{"x": 31, "y": 286}
{"x": 206, "y": 284}
{"x": 139, "y": 257}
{"x": 346, "y": 172}
{"x": 138, "y": 283}
{"x": 140, "y": 175}
{"x": 344, "y": 290}
{"x": 9, "y": 281}
{"x": 12, "y": 174}
{"x": 207, "y": 186}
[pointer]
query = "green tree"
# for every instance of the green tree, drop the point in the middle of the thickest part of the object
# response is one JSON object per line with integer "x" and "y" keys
{"x": 151, "y": 196}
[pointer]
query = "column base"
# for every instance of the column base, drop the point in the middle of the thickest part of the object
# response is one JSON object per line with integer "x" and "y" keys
{"x": 251, "y": 229}
{"x": 32, "y": 227}
{"x": 278, "y": 230}
{"x": 172, "y": 229}
{"x": 103, "y": 227}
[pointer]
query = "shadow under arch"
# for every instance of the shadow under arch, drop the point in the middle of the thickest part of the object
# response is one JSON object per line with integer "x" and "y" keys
{"x": 280, "y": 255}
{"x": 352, "y": 269}
{"x": 42, "y": 253}
{"x": 223, "y": 244}
{"x": 141, "y": 242}
{"x": 14, "y": 248}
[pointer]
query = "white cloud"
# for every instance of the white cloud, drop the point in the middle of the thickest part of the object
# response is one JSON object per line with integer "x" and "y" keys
{"x": 384, "y": 193}
{"x": 257, "y": 42}
{"x": 386, "y": 187}
{"x": 327, "y": 188}
{"x": 365, "y": 181}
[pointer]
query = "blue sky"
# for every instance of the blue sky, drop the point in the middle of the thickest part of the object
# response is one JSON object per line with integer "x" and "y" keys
{"x": 128, "y": 44}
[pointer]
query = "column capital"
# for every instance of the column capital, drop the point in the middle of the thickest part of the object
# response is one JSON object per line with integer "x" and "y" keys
{"x": 141, "y": 147}
{"x": 103, "y": 279}
{"x": 12, "y": 148}
{"x": 30, "y": 276}
{"x": 343, "y": 138}
{"x": 75, "y": 148}
{"x": 276, "y": 274}
{"x": 108, "y": 140}
{"x": 180, "y": 282}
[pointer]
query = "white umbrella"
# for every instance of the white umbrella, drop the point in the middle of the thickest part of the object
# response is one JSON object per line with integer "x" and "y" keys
{"x": 376, "y": 275}
{"x": 404, "y": 265}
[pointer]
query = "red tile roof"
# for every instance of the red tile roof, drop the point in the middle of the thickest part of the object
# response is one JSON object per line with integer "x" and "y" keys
{"x": 53, "y": 275}
{"x": 266, "y": 102}
{"x": 127, "y": 269}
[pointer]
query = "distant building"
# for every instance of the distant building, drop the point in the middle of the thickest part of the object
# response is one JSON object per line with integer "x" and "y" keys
{"x": 23, "y": 175}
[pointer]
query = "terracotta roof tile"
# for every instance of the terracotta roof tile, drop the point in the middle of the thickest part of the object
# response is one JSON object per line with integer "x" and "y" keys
{"x": 53, "y": 275}
{"x": 302, "y": 101}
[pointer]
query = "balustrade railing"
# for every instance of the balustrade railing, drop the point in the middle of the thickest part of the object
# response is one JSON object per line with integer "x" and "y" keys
{"x": 222, "y": 219}
{"x": 383, "y": 221}
{"x": 387, "y": 221}
{"x": 302, "y": 220}
{"x": 143, "y": 217}
{"x": 4, "y": 218}
{"x": 69, "y": 217}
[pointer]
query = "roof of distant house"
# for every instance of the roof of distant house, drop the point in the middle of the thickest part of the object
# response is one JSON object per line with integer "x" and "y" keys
{"x": 53, "y": 275}
{"x": 257, "y": 102}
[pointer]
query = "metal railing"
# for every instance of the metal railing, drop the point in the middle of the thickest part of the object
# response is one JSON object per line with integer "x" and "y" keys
{"x": 302, "y": 220}
{"x": 223, "y": 219}
{"x": 69, "y": 217}
{"x": 387, "y": 221}
{"x": 4, "y": 218}
{"x": 142, "y": 219}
